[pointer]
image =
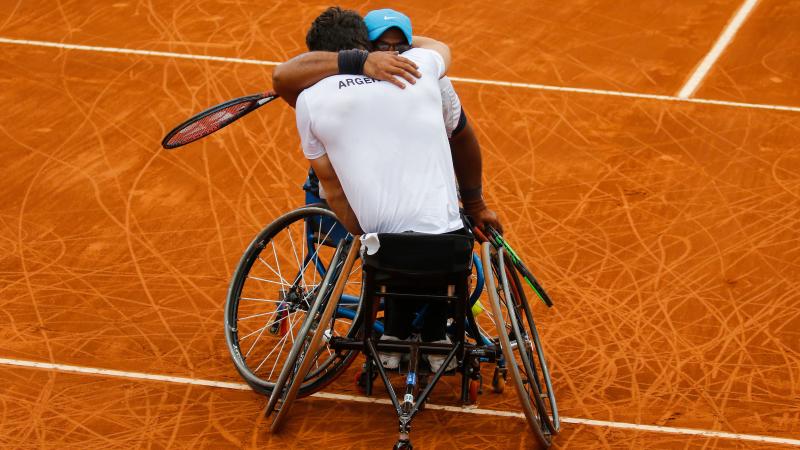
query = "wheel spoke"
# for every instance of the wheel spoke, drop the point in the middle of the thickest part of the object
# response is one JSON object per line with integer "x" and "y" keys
{"x": 283, "y": 280}
{"x": 268, "y": 281}
{"x": 315, "y": 254}
{"x": 301, "y": 274}
{"x": 256, "y": 315}
{"x": 282, "y": 342}
{"x": 263, "y": 300}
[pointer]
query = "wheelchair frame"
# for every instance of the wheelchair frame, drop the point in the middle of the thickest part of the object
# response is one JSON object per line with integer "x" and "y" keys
{"x": 348, "y": 307}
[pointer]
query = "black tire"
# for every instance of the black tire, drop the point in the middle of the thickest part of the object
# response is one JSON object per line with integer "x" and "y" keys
{"x": 266, "y": 306}
{"x": 321, "y": 320}
{"x": 518, "y": 348}
{"x": 536, "y": 365}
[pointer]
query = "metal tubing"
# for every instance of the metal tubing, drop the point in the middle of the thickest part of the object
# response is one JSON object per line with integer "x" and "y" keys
{"x": 316, "y": 340}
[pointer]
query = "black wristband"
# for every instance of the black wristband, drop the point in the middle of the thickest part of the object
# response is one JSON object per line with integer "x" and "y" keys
{"x": 472, "y": 194}
{"x": 351, "y": 62}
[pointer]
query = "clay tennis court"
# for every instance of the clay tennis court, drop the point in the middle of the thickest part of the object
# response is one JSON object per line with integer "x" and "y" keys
{"x": 665, "y": 226}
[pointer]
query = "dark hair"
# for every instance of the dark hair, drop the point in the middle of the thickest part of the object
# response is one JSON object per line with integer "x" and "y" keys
{"x": 337, "y": 29}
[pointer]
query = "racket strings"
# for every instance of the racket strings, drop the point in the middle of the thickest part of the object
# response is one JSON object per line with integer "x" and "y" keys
{"x": 209, "y": 123}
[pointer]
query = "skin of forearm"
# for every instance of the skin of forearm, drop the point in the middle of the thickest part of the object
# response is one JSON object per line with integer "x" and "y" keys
{"x": 433, "y": 44}
{"x": 467, "y": 165}
{"x": 425, "y": 42}
{"x": 467, "y": 161}
{"x": 293, "y": 76}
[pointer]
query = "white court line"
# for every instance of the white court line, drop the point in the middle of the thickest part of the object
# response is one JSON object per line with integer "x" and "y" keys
{"x": 129, "y": 51}
{"x": 354, "y": 398}
{"x": 724, "y": 39}
{"x": 534, "y": 86}
{"x": 668, "y": 98}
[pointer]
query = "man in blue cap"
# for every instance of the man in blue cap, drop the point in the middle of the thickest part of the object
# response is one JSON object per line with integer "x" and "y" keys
{"x": 380, "y": 21}
{"x": 390, "y": 30}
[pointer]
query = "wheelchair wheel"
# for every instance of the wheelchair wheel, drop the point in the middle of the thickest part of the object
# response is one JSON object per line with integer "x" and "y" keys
{"x": 313, "y": 336}
{"x": 520, "y": 344}
{"x": 271, "y": 292}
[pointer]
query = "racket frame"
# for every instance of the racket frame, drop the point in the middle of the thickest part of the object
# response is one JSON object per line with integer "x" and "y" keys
{"x": 258, "y": 100}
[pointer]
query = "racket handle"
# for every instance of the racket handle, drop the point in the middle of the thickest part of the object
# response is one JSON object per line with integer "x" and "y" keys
{"x": 479, "y": 234}
{"x": 268, "y": 97}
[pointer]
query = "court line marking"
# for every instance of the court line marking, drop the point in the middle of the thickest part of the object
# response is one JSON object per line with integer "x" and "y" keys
{"x": 359, "y": 399}
{"x": 722, "y": 42}
{"x": 129, "y": 51}
{"x": 667, "y": 98}
{"x": 534, "y": 86}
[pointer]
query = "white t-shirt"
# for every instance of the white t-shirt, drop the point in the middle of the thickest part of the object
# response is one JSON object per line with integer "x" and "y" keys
{"x": 388, "y": 147}
{"x": 451, "y": 112}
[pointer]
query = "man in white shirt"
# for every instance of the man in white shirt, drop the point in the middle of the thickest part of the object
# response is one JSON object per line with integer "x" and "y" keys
{"x": 388, "y": 148}
{"x": 380, "y": 152}
{"x": 390, "y": 33}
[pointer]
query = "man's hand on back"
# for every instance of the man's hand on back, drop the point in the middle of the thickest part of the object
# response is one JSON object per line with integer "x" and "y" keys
{"x": 388, "y": 66}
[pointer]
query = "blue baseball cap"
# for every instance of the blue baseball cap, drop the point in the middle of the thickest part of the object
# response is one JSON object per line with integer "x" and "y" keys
{"x": 380, "y": 20}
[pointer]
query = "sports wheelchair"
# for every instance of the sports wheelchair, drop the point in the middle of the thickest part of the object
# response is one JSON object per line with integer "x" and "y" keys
{"x": 305, "y": 300}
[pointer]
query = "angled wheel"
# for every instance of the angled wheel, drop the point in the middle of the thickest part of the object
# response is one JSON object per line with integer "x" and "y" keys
{"x": 520, "y": 345}
{"x": 271, "y": 293}
{"x": 533, "y": 354}
{"x": 312, "y": 337}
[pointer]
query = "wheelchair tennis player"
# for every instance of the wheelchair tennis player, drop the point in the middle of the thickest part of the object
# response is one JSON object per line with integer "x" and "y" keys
{"x": 389, "y": 33}
{"x": 372, "y": 127}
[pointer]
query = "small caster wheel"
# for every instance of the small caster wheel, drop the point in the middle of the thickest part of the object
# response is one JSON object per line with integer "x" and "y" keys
{"x": 361, "y": 381}
{"x": 499, "y": 380}
{"x": 474, "y": 390}
{"x": 403, "y": 445}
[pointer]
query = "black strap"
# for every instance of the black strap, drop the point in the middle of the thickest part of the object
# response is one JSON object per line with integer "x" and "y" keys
{"x": 462, "y": 122}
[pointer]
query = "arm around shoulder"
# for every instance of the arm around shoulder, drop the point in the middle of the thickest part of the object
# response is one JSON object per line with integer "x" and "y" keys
{"x": 439, "y": 47}
{"x": 293, "y": 76}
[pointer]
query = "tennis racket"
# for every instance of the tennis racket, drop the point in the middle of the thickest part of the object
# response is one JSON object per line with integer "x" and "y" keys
{"x": 215, "y": 118}
{"x": 497, "y": 240}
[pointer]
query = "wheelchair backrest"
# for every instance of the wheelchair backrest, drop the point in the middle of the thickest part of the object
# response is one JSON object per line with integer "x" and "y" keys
{"x": 421, "y": 255}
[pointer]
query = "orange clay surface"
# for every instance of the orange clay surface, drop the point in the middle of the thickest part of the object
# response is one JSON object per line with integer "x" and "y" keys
{"x": 667, "y": 233}
{"x": 607, "y": 44}
{"x": 764, "y": 63}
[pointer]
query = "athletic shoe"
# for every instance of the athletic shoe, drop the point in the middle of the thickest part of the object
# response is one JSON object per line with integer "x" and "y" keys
{"x": 436, "y": 361}
{"x": 390, "y": 360}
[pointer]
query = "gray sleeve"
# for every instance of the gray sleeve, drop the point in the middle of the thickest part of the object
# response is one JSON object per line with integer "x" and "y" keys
{"x": 451, "y": 105}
